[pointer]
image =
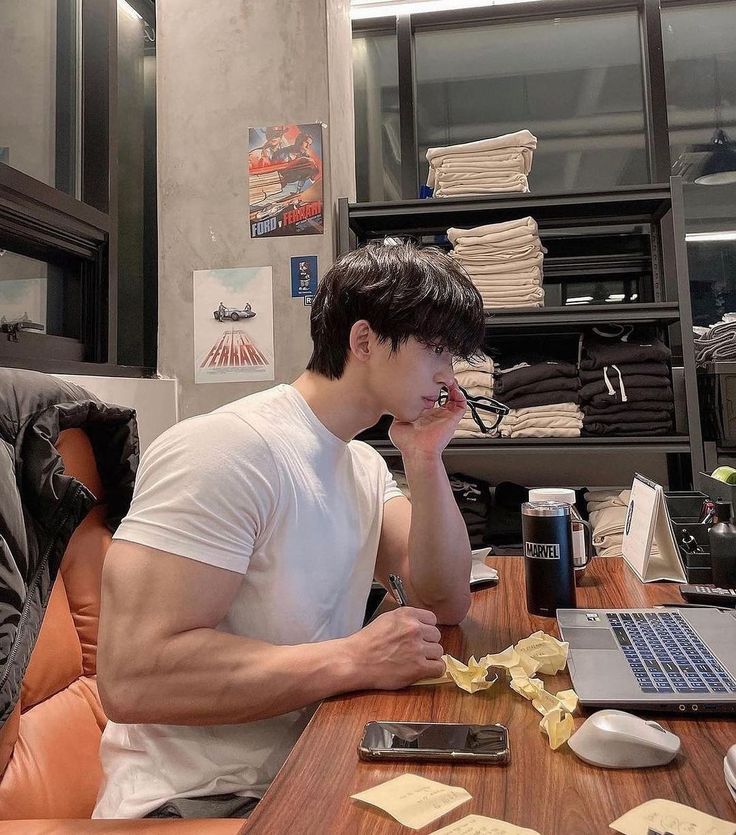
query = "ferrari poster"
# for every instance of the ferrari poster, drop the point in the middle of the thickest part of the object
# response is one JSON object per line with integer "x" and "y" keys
{"x": 285, "y": 181}
{"x": 233, "y": 325}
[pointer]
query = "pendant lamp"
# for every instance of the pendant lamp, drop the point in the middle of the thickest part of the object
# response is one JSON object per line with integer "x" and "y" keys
{"x": 719, "y": 167}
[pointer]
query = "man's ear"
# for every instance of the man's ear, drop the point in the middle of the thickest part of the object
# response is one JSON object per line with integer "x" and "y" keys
{"x": 362, "y": 339}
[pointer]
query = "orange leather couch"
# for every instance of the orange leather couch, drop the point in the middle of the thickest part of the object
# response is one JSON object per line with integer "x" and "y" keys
{"x": 49, "y": 767}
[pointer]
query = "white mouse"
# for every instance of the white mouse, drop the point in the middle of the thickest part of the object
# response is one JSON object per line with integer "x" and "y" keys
{"x": 616, "y": 739}
{"x": 729, "y": 770}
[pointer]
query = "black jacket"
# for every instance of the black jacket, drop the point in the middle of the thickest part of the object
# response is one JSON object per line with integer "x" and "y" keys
{"x": 40, "y": 506}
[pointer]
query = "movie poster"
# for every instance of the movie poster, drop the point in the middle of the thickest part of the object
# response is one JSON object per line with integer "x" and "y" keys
{"x": 285, "y": 181}
{"x": 233, "y": 325}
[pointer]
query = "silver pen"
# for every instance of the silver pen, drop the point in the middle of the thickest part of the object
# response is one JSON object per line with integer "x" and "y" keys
{"x": 397, "y": 587}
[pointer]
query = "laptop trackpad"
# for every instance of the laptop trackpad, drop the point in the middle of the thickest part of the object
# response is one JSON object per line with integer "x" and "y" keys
{"x": 587, "y": 638}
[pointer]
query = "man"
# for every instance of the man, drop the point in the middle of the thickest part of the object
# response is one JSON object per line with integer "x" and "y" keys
{"x": 234, "y": 592}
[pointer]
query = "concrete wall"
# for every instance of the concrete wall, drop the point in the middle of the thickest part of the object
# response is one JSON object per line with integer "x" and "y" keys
{"x": 222, "y": 68}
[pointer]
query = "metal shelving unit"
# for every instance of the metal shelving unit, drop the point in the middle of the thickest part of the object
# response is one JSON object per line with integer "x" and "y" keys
{"x": 657, "y": 210}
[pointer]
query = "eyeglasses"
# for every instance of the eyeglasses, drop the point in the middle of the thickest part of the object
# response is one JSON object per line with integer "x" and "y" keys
{"x": 477, "y": 404}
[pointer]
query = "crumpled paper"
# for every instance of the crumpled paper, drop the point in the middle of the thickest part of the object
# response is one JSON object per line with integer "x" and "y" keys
{"x": 539, "y": 653}
{"x": 470, "y": 677}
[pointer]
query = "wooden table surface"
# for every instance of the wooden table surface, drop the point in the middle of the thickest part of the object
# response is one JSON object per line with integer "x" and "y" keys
{"x": 549, "y": 791}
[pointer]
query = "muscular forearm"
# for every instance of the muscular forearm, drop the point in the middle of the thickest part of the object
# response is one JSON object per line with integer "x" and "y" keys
{"x": 207, "y": 677}
{"x": 439, "y": 550}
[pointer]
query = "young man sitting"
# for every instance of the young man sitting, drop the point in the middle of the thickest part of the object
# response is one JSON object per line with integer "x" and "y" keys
{"x": 234, "y": 592}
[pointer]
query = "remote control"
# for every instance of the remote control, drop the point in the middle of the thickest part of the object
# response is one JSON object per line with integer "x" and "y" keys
{"x": 709, "y": 594}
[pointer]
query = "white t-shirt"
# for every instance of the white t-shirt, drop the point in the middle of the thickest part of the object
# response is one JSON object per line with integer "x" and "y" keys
{"x": 263, "y": 488}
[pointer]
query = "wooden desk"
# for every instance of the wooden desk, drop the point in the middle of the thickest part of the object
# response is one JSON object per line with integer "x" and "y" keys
{"x": 550, "y": 791}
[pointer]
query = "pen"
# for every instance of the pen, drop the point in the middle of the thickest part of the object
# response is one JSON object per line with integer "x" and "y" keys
{"x": 397, "y": 587}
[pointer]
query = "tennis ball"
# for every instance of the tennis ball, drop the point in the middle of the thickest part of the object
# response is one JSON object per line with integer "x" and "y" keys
{"x": 727, "y": 474}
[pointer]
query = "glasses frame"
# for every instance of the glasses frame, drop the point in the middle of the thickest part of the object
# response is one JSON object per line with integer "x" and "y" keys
{"x": 477, "y": 404}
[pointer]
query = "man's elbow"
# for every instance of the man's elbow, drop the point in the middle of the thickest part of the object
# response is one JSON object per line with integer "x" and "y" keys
{"x": 117, "y": 695}
{"x": 452, "y": 611}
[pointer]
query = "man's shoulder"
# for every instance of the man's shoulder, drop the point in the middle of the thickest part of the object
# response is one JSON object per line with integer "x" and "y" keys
{"x": 367, "y": 455}
{"x": 251, "y": 420}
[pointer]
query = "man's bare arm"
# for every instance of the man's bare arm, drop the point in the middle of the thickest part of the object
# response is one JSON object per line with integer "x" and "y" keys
{"x": 161, "y": 659}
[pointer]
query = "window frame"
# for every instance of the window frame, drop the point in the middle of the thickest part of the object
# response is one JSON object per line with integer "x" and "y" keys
{"x": 653, "y": 72}
{"x": 47, "y": 223}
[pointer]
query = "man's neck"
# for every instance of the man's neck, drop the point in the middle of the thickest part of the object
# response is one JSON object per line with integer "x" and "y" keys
{"x": 342, "y": 406}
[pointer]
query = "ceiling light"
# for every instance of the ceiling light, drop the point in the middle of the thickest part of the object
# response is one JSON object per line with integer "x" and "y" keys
{"x": 704, "y": 237}
{"x": 720, "y": 167}
{"x": 362, "y": 9}
{"x": 129, "y": 10}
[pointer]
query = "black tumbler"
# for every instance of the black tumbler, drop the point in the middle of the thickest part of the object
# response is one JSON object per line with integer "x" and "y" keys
{"x": 548, "y": 557}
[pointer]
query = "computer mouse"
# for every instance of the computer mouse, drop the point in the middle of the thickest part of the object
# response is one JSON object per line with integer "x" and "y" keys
{"x": 729, "y": 770}
{"x": 617, "y": 739}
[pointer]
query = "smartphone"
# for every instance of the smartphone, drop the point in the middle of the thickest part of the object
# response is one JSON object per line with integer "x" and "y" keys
{"x": 435, "y": 741}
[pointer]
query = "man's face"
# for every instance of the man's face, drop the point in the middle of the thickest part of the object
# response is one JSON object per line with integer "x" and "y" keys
{"x": 409, "y": 380}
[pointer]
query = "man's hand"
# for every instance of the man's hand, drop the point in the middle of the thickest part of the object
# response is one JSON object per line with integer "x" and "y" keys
{"x": 432, "y": 430}
{"x": 398, "y": 648}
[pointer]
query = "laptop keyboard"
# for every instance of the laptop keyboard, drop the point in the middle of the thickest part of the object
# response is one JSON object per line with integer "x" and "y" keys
{"x": 667, "y": 656}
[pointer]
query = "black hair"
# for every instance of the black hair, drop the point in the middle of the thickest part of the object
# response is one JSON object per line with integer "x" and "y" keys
{"x": 402, "y": 291}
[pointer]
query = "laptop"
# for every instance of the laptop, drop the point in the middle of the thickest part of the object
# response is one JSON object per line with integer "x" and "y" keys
{"x": 652, "y": 659}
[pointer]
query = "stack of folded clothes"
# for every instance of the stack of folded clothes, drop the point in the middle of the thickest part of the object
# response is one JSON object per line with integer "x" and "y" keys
{"x": 626, "y": 385}
{"x": 718, "y": 342}
{"x": 477, "y": 379}
{"x": 607, "y": 515}
{"x": 543, "y": 400}
{"x": 503, "y": 260}
{"x": 488, "y": 166}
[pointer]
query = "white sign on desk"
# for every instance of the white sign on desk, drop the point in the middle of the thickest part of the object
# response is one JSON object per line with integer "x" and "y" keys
{"x": 647, "y": 524}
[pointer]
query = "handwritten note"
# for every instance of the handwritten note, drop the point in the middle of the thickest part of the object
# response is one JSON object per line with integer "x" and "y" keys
{"x": 414, "y": 801}
{"x": 480, "y": 825}
{"x": 666, "y": 817}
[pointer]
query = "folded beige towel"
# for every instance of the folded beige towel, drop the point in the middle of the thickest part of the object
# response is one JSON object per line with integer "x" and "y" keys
{"x": 516, "y": 182}
{"x": 543, "y": 433}
{"x": 491, "y": 305}
{"x": 524, "y": 223}
{"x": 477, "y": 391}
{"x": 480, "y": 363}
{"x": 556, "y": 408}
{"x": 557, "y": 422}
{"x": 528, "y": 294}
{"x": 490, "y": 248}
{"x": 481, "y": 380}
{"x": 508, "y": 140}
{"x": 525, "y": 265}
{"x": 495, "y": 238}
{"x": 499, "y": 257}
{"x": 451, "y": 177}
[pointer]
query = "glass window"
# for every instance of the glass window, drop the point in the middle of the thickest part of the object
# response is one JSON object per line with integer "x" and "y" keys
{"x": 700, "y": 64}
{"x": 45, "y": 296}
{"x": 377, "y": 135}
{"x": 137, "y": 231}
{"x": 40, "y": 90}
{"x": 575, "y": 83}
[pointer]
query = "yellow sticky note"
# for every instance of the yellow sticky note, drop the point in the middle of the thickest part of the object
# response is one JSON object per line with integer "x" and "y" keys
{"x": 481, "y": 825}
{"x": 668, "y": 816}
{"x": 414, "y": 801}
{"x": 471, "y": 676}
{"x": 547, "y": 650}
{"x": 558, "y": 726}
